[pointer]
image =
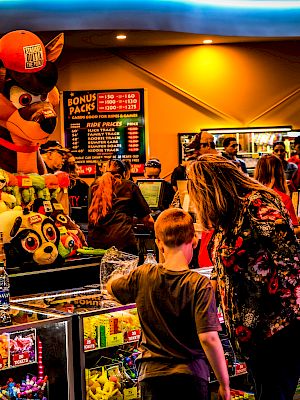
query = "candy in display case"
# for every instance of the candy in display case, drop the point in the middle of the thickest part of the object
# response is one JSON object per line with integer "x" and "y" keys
{"x": 35, "y": 356}
{"x": 111, "y": 381}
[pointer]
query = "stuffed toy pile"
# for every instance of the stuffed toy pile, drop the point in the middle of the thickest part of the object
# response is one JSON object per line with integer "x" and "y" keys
{"x": 28, "y": 103}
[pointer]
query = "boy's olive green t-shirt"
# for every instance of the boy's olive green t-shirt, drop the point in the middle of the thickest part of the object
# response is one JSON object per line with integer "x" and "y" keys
{"x": 173, "y": 307}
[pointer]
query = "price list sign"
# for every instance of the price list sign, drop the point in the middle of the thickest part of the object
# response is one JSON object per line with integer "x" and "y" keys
{"x": 100, "y": 124}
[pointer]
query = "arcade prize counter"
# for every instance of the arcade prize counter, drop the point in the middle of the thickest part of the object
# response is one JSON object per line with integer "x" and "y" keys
{"x": 36, "y": 356}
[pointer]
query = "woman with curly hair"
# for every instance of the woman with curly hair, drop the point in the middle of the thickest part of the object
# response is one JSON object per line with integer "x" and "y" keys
{"x": 256, "y": 260}
{"x": 114, "y": 203}
{"x": 270, "y": 172}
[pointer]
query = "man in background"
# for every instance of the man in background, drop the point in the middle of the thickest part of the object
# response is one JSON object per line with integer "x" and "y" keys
{"x": 53, "y": 154}
{"x": 290, "y": 169}
{"x": 230, "y": 152}
{"x": 296, "y": 160}
{"x": 152, "y": 170}
{"x": 203, "y": 143}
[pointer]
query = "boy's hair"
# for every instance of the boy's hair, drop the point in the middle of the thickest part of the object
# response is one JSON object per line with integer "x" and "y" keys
{"x": 174, "y": 227}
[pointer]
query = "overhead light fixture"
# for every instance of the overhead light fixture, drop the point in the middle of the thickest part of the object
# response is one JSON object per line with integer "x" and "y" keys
{"x": 207, "y": 41}
{"x": 249, "y": 130}
{"x": 121, "y": 37}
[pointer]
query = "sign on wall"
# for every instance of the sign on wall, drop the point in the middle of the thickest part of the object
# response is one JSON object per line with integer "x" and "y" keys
{"x": 100, "y": 124}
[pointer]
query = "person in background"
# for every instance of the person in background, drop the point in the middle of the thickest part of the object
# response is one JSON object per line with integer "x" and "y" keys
{"x": 178, "y": 316}
{"x": 179, "y": 174}
{"x": 289, "y": 168}
{"x": 114, "y": 203}
{"x": 269, "y": 171}
{"x": 152, "y": 171}
{"x": 256, "y": 259}
{"x": 296, "y": 160}
{"x": 230, "y": 152}
{"x": 78, "y": 195}
{"x": 128, "y": 167}
{"x": 53, "y": 154}
{"x": 203, "y": 143}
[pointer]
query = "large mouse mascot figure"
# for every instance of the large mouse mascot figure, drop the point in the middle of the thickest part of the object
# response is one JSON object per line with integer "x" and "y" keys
{"x": 28, "y": 99}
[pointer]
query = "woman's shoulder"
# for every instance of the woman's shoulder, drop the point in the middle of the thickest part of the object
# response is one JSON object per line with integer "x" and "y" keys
{"x": 265, "y": 196}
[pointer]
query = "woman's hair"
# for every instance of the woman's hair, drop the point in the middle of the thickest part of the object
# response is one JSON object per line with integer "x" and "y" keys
{"x": 217, "y": 187}
{"x": 102, "y": 196}
{"x": 270, "y": 172}
{"x": 174, "y": 227}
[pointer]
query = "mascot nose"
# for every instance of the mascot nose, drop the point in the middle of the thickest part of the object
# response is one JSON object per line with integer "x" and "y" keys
{"x": 48, "y": 124}
{"x": 48, "y": 249}
{"x": 42, "y": 113}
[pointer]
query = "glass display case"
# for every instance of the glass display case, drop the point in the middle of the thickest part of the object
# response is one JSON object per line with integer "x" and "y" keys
{"x": 105, "y": 337}
{"x": 36, "y": 356}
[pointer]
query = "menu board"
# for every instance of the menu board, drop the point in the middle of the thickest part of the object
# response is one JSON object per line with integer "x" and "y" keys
{"x": 100, "y": 124}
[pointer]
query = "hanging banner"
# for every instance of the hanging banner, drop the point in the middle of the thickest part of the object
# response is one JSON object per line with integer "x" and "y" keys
{"x": 100, "y": 124}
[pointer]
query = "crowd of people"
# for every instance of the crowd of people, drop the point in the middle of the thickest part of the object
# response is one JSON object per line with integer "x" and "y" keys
{"x": 249, "y": 235}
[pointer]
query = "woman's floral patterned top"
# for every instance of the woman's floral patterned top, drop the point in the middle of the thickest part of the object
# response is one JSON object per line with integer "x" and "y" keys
{"x": 257, "y": 267}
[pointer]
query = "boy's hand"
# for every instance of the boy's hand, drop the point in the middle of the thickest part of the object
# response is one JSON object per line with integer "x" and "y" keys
{"x": 224, "y": 393}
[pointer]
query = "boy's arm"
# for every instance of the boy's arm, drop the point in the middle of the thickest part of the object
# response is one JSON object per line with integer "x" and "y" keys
{"x": 213, "y": 349}
{"x": 109, "y": 282}
{"x": 123, "y": 287}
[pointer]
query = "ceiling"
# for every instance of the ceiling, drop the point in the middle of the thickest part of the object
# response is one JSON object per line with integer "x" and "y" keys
{"x": 107, "y": 38}
{"x": 153, "y": 22}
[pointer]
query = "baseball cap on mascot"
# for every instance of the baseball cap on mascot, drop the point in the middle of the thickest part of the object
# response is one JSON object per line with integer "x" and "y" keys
{"x": 24, "y": 55}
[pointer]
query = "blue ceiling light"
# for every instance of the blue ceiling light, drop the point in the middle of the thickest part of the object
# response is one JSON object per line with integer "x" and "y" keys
{"x": 253, "y": 4}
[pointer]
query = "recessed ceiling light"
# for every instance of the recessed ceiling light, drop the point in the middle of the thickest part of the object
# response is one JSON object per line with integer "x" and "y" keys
{"x": 121, "y": 37}
{"x": 207, "y": 41}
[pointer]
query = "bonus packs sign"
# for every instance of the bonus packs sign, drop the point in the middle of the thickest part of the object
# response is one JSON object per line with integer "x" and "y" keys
{"x": 100, "y": 124}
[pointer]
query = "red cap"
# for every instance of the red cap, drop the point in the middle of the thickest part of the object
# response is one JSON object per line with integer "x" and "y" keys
{"x": 22, "y": 51}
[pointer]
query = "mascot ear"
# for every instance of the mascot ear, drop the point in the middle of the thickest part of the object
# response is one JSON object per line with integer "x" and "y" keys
{"x": 54, "y": 47}
{"x": 16, "y": 227}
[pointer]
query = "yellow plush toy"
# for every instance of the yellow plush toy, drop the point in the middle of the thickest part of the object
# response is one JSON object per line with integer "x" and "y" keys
{"x": 7, "y": 201}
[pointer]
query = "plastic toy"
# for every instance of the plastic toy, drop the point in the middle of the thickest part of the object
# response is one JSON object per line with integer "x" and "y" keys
{"x": 102, "y": 387}
{"x": 91, "y": 251}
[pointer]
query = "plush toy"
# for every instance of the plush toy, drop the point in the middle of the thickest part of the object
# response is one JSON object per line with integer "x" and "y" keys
{"x": 7, "y": 200}
{"x": 28, "y": 99}
{"x": 29, "y": 237}
{"x": 63, "y": 220}
{"x": 70, "y": 243}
